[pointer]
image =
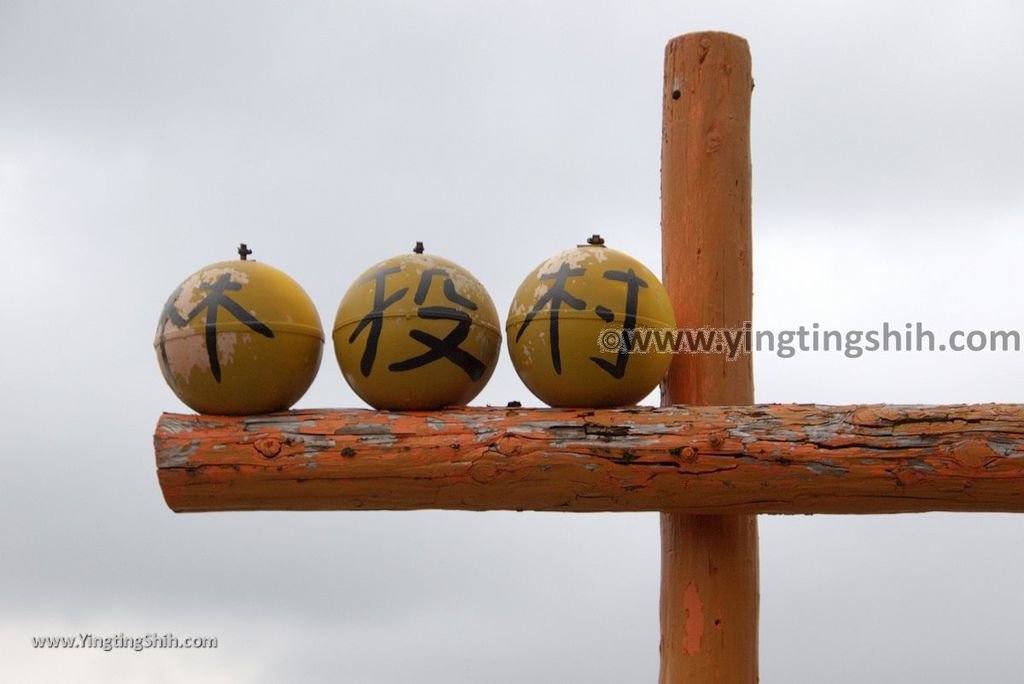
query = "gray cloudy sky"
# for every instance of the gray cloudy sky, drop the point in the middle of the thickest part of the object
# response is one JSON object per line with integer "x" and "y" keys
{"x": 140, "y": 141}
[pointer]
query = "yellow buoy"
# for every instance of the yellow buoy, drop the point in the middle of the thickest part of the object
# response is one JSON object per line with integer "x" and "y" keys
{"x": 573, "y": 325}
{"x": 416, "y": 332}
{"x": 239, "y": 337}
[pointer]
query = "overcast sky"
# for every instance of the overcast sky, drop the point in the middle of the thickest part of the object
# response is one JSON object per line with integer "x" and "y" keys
{"x": 141, "y": 141}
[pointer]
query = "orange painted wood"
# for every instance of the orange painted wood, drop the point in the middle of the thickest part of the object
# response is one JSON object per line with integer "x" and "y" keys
{"x": 755, "y": 459}
{"x": 709, "y": 572}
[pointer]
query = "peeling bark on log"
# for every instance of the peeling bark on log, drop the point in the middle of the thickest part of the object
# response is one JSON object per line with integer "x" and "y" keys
{"x": 753, "y": 459}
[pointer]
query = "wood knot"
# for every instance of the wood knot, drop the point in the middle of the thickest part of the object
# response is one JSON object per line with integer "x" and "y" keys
{"x": 713, "y": 141}
{"x": 268, "y": 447}
{"x": 705, "y": 45}
{"x": 908, "y": 476}
{"x": 974, "y": 453}
{"x": 483, "y": 471}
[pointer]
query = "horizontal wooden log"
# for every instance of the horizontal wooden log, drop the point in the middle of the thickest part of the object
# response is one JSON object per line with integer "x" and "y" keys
{"x": 750, "y": 459}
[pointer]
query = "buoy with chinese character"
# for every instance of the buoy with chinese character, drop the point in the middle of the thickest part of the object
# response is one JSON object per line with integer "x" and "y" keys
{"x": 576, "y": 323}
{"x": 417, "y": 332}
{"x": 239, "y": 337}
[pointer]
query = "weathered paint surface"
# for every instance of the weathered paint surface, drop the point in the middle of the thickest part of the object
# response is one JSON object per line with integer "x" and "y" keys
{"x": 754, "y": 459}
{"x": 693, "y": 622}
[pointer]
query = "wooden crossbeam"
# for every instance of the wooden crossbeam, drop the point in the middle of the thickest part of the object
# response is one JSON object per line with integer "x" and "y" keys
{"x": 781, "y": 458}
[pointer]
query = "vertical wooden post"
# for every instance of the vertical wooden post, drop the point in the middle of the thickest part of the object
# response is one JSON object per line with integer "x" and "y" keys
{"x": 709, "y": 572}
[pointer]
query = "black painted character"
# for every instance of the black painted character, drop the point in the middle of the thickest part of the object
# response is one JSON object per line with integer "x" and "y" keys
{"x": 555, "y": 296}
{"x": 169, "y": 315}
{"x": 448, "y": 347}
{"x": 633, "y": 284}
{"x": 375, "y": 319}
{"x": 211, "y": 303}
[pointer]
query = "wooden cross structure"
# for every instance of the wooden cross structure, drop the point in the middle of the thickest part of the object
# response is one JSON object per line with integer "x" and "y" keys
{"x": 709, "y": 459}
